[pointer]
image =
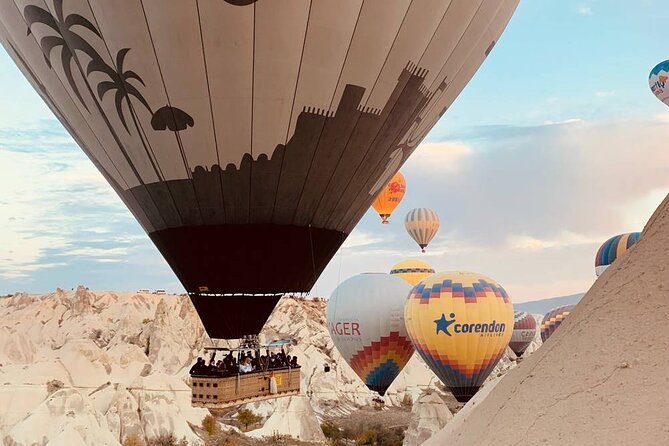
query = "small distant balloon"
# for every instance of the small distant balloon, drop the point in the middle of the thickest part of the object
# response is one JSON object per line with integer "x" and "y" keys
{"x": 422, "y": 225}
{"x": 412, "y": 271}
{"x": 657, "y": 80}
{"x": 614, "y": 248}
{"x": 460, "y": 324}
{"x": 553, "y": 319}
{"x": 524, "y": 330}
{"x": 365, "y": 318}
{"x": 390, "y": 197}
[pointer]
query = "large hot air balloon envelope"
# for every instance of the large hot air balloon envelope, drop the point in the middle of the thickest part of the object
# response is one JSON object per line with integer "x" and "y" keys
{"x": 460, "y": 323}
{"x": 612, "y": 249}
{"x": 657, "y": 79}
{"x": 248, "y": 137}
{"x": 365, "y": 317}
{"x": 390, "y": 196}
{"x": 422, "y": 225}
{"x": 524, "y": 330}
{"x": 553, "y": 319}
{"x": 412, "y": 271}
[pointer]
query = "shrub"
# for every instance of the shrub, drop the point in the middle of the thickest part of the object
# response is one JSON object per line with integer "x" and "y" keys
{"x": 210, "y": 425}
{"x": 367, "y": 437}
{"x": 167, "y": 440}
{"x": 247, "y": 416}
{"x": 146, "y": 320}
{"x": 331, "y": 431}
{"x": 132, "y": 440}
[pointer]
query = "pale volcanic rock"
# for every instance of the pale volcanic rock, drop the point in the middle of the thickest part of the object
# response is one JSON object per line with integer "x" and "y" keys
{"x": 65, "y": 415}
{"x": 429, "y": 414}
{"x": 292, "y": 416}
{"x": 601, "y": 378}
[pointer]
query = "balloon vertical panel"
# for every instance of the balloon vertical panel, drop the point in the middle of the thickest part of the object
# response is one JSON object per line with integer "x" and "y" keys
{"x": 301, "y": 184}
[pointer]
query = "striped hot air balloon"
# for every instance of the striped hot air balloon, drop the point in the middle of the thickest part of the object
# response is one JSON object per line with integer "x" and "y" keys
{"x": 366, "y": 322}
{"x": 614, "y": 248}
{"x": 553, "y": 319}
{"x": 390, "y": 196}
{"x": 460, "y": 323}
{"x": 422, "y": 225}
{"x": 524, "y": 330}
{"x": 412, "y": 271}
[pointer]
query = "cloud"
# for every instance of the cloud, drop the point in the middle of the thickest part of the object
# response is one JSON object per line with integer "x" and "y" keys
{"x": 527, "y": 205}
{"x": 60, "y": 209}
{"x": 562, "y": 240}
{"x": 441, "y": 157}
{"x": 585, "y": 10}
{"x": 359, "y": 239}
{"x": 605, "y": 94}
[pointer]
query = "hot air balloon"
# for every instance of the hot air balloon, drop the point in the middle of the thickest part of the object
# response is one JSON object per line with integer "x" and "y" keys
{"x": 524, "y": 330}
{"x": 553, "y": 319}
{"x": 248, "y": 137}
{"x": 460, "y": 323}
{"x": 657, "y": 79}
{"x": 422, "y": 225}
{"x": 612, "y": 249}
{"x": 366, "y": 322}
{"x": 412, "y": 271}
{"x": 389, "y": 197}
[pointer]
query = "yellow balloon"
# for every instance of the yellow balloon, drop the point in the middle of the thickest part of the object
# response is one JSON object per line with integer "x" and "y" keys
{"x": 412, "y": 271}
{"x": 390, "y": 196}
{"x": 460, "y": 323}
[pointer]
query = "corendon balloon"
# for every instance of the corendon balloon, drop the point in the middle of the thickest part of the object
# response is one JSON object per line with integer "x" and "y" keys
{"x": 422, "y": 225}
{"x": 389, "y": 197}
{"x": 460, "y": 323}
{"x": 553, "y": 319}
{"x": 657, "y": 79}
{"x": 612, "y": 249}
{"x": 366, "y": 322}
{"x": 412, "y": 271}
{"x": 248, "y": 137}
{"x": 524, "y": 331}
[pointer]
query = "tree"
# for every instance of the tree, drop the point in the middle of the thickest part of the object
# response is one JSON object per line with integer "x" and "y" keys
{"x": 210, "y": 425}
{"x": 247, "y": 416}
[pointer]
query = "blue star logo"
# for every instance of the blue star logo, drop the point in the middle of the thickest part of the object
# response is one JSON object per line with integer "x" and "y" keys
{"x": 443, "y": 323}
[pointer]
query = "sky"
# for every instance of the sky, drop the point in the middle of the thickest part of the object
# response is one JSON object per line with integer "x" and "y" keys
{"x": 554, "y": 146}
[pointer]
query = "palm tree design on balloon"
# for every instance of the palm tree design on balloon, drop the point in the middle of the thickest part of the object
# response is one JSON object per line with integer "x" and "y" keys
{"x": 164, "y": 118}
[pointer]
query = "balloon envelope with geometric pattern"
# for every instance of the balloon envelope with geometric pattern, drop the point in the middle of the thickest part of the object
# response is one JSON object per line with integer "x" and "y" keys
{"x": 412, "y": 271}
{"x": 365, "y": 318}
{"x": 524, "y": 331}
{"x": 248, "y": 137}
{"x": 553, "y": 319}
{"x": 460, "y": 324}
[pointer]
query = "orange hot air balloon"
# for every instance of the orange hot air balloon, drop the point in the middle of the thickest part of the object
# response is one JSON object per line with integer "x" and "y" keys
{"x": 390, "y": 197}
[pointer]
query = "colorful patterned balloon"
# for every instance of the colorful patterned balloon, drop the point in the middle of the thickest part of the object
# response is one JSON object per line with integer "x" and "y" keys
{"x": 389, "y": 197}
{"x": 524, "y": 330}
{"x": 412, "y": 271}
{"x": 460, "y": 323}
{"x": 366, "y": 322}
{"x": 657, "y": 80}
{"x": 612, "y": 249}
{"x": 553, "y": 319}
{"x": 422, "y": 225}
